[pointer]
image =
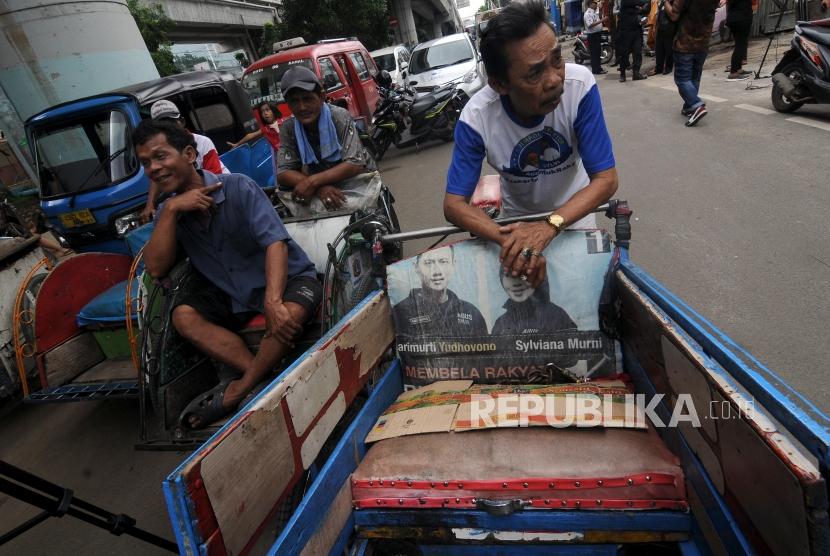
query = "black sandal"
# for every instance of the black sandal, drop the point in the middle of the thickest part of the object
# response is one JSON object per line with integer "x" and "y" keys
{"x": 207, "y": 407}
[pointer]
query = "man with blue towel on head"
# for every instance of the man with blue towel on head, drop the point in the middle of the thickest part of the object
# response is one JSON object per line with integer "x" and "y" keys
{"x": 320, "y": 146}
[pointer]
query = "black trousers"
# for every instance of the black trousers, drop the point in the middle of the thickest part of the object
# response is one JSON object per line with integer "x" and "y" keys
{"x": 740, "y": 32}
{"x": 630, "y": 42}
{"x": 595, "y": 48}
{"x": 663, "y": 52}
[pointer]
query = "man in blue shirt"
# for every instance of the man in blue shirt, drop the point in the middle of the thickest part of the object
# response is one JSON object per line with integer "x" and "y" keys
{"x": 246, "y": 264}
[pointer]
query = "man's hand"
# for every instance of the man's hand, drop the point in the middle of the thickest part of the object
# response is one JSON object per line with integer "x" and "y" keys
{"x": 147, "y": 214}
{"x": 279, "y": 323}
{"x": 305, "y": 189}
{"x": 522, "y": 246}
{"x": 332, "y": 197}
{"x": 194, "y": 199}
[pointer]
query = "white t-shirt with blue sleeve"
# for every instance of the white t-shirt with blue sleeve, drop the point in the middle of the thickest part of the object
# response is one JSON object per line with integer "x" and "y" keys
{"x": 541, "y": 164}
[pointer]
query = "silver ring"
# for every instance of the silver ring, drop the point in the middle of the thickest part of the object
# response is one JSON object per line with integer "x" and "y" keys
{"x": 527, "y": 252}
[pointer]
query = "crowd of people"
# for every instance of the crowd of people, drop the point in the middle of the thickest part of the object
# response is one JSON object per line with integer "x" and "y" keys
{"x": 679, "y": 32}
{"x": 539, "y": 122}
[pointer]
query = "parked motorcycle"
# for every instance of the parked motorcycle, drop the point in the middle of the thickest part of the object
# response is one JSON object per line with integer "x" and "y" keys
{"x": 803, "y": 74}
{"x": 402, "y": 121}
{"x": 582, "y": 54}
{"x": 11, "y": 224}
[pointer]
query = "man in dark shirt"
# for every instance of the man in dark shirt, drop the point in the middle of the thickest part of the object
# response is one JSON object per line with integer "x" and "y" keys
{"x": 245, "y": 262}
{"x": 691, "y": 44}
{"x": 434, "y": 310}
{"x": 631, "y": 37}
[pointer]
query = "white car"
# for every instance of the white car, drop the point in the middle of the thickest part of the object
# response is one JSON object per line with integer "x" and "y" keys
{"x": 450, "y": 59}
{"x": 395, "y": 60}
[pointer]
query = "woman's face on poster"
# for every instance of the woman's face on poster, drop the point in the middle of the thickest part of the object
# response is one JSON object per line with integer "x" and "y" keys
{"x": 517, "y": 289}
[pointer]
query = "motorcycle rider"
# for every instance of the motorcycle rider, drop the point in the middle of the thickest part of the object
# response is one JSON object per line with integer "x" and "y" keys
{"x": 320, "y": 147}
{"x": 539, "y": 122}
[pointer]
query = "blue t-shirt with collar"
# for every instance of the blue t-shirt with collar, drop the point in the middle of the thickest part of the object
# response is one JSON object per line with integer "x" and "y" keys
{"x": 228, "y": 244}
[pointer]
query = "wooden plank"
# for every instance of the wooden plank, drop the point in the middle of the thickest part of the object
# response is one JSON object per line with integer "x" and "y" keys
{"x": 357, "y": 344}
{"x": 329, "y": 529}
{"x": 71, "y": 358}
{"x": 787, "y": 468}
{"x": 239, "y": 475}
{"x": 344, "y": 459}
{"x": 109, "y": 370}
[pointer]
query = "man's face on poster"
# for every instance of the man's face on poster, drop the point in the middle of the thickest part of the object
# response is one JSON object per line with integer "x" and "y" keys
{"x": 435, "y": 268}
{"x": 517, "y": 289}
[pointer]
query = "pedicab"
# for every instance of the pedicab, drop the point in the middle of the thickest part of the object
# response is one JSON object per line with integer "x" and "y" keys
{"x": 337, "y": 455}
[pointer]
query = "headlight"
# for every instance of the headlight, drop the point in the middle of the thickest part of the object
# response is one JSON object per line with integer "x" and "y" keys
{"x": 126, "y": 223}
{"x": 470, "y": 76}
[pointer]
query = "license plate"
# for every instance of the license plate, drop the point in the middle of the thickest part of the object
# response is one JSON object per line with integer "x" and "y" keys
{"x": 77, "y": 218}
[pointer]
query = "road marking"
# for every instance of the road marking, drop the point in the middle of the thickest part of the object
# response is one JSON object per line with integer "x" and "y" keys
{"x": 756, "y": 109}
{"x": 711, "y": 97}
{"x": 810, "y": 122}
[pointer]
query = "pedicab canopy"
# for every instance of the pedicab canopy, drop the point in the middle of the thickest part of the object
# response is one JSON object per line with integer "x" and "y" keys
{"x": 472, "y": 321}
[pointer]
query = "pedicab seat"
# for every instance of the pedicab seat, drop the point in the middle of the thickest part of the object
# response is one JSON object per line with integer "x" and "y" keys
{"x": 108, "y": 307}
{"x": 545, "y": 467}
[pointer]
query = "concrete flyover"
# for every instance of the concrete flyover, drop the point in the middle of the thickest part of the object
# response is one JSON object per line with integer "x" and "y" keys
{"x": 231, "y": 23}
{"x": 421, "y": 20}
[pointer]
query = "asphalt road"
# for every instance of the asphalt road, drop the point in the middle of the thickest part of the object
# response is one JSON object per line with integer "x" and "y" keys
{"x": 730, "y": 215}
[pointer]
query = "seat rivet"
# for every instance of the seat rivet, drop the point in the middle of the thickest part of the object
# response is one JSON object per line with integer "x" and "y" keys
{"x": 577, "y": 484}
{"x": 400, "y": 501}
{"x": 409, "y": 483}
{"x": 504, "y": 485}
{"x": 371, "y": 483}
{"x": 599, "y": 483}
{"x": 458, "y": 500}
{"x": 524, "y": 485}
{"x": 378, "y": 501}
{"x": 648, "y": 477}
{"x": 446, "y": 483}
{"x": 599, "y": 502}
{"x": 551, "y": 485}
{"x": 547, "y": 502}
{"x": 432, "y": 485}
{"x": 564, "y": 502}
{"x": 460, "y": 485}
{"x": 577, "y": 503}
{"x": 392, "y": 483}
{"x": 630, "y": 482}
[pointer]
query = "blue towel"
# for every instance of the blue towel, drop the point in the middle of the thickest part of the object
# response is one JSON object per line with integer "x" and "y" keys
{"x": 329, "y": 145}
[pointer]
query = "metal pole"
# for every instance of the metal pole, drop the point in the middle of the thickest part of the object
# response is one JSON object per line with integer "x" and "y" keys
{"x": 447, "y": 230}
{"x": 57, "y": 501}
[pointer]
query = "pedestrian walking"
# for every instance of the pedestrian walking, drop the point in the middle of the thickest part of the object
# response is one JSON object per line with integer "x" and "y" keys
{"x": 694, "y": 20}
{"x": 739, "y": 21}
{"x": 665, "y": 30}
{"x": 631, "y": 37}
{"x": 593, "y": 28}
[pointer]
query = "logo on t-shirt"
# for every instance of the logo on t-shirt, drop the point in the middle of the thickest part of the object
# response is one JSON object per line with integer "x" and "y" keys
{"x": 541, "y": 150}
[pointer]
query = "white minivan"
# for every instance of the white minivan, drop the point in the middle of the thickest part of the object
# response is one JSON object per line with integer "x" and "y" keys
{"x": 450, "y": 59}
{"x": 395, "y": 60}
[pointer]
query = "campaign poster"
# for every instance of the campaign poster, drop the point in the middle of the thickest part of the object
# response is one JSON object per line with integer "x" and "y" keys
{"x": 459, "y": 316}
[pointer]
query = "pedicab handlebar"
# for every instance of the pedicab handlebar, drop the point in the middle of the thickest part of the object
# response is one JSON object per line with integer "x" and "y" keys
{"x": 615, "y": 208}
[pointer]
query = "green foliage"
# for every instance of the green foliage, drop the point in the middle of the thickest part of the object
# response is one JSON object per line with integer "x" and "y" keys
{"x": 242, "y": 59}
{"x": 186, "y": 61}
{"x": 153, "y": 24}
{"x": 368, "y": 20}
{"x": 270, "y": 35}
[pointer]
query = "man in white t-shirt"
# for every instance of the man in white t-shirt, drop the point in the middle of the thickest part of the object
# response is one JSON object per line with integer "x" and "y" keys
{"x": 207, "y": 157}
{"x": 539, "y": 123}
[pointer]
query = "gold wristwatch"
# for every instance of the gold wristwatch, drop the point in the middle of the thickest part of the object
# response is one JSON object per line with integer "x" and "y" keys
{"x": 556, "y": 221}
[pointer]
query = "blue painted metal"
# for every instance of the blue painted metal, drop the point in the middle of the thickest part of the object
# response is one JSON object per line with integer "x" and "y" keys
{"x": 86, "y": 392}
{"x": 342, "y": 462}
{"x": 182, "y": 528}
{"x": 713, "y": 503}
{"x": 689, "y": 548}
{"x": 341, "y": 545}
{"x": 254, "y": 160}
{"x": 179, "y": 506}
{"x": 529, "y": 520}
{"x": 360, "y": 548}
{"x": 803, "y": 419}
{"x": 519, "y": 550}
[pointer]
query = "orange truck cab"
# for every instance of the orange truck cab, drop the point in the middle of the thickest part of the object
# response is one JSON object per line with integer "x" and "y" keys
{"x": 344, "y": 66}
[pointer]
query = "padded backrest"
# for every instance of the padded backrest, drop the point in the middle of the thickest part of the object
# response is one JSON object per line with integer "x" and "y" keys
{"x": 456, "y": 316}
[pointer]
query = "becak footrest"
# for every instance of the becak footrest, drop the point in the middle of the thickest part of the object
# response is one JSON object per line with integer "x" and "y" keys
{"x": 539, "y": 468}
